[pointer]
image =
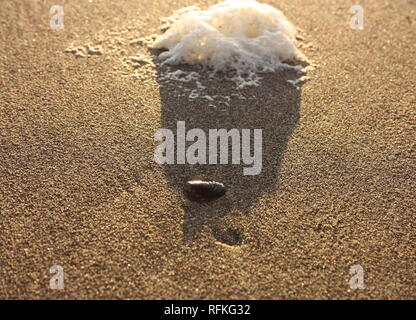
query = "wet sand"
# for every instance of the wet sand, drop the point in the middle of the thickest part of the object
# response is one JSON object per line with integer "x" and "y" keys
{"x": 79, "y": 186}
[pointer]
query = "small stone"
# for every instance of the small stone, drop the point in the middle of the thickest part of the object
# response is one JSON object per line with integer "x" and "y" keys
{"x": 204, "y": 191}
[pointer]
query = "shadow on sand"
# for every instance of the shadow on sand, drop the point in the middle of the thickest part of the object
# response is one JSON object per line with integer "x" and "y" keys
{"x": 274, "y": 106}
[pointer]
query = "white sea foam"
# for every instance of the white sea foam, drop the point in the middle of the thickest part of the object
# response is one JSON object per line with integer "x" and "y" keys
{"x": 241, "y": 36}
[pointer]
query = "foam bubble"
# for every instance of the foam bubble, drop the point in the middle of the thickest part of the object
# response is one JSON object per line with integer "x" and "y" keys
{"x": 243, "y": 36}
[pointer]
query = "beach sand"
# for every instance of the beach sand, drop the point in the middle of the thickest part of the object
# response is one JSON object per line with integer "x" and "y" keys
{"x": 79, "y": 187}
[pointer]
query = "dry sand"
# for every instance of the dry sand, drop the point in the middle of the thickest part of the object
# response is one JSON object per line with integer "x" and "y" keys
{"x": 79, "y": 187}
